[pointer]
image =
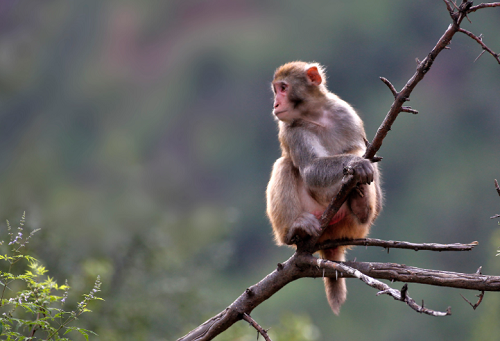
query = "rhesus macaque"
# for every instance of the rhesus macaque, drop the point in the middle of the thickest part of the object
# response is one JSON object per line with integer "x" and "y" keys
{"x": 320, "y": 135}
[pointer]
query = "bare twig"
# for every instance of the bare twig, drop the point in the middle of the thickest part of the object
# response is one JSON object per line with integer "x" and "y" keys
{"x": 397, "y": 245}
{"x": 479, "y": 40}
{"x": 259, "y": 329}
{"x": 384, "y": 288}
{"x": 391, "y": 87}
{"x": 410, "y": 274}
{"x": 410, "y": 110}
{"x": 475, "y": 305}
{"x": 491, "y": 4}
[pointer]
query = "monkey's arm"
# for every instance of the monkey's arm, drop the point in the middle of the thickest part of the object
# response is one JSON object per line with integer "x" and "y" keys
{"x": 319, "y": 169}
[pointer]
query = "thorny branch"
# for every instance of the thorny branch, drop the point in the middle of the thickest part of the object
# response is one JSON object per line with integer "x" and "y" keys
{"x": 303, "y": 264}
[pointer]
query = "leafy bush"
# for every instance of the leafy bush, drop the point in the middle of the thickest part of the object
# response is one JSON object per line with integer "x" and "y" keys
{"x": 32, "y": 304}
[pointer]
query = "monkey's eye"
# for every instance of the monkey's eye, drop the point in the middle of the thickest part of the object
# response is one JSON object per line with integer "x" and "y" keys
{"x": 282, "y": 87}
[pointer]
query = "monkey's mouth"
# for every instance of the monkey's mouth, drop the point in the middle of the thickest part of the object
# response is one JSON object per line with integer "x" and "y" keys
{"x": 277, "y": 113}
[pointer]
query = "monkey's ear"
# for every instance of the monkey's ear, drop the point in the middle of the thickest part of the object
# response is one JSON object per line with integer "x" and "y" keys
{"x": 314, "y": 76}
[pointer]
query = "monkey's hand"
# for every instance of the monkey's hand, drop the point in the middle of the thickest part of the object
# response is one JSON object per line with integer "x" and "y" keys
{"x": 362, "y": 170}
{"x": 305, "y": 226}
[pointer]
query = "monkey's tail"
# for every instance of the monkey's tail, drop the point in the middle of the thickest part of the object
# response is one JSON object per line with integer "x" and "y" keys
{"x": 336, "y": 291}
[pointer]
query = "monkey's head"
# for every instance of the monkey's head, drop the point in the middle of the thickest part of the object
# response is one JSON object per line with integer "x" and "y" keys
{"x": 297, "y": 85}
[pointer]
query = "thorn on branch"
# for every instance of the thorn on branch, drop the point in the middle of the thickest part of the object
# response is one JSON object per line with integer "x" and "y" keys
{"x": 482, "y": 52}
{"x": 280, "y": 266}
{"x": 478, "y": 271}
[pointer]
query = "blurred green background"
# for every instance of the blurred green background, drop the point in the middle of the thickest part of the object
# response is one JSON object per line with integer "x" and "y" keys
{"x": 138, "y": 135}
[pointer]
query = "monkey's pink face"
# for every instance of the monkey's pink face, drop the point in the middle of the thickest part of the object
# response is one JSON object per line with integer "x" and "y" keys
{"x": 283, "y": 108}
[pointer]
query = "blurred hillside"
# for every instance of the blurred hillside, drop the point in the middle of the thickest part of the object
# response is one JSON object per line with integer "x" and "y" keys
{"x": 138, "y": 135}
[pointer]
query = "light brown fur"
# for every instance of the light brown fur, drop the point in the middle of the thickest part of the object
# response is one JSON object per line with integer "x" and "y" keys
{"x": 319, "y": 134}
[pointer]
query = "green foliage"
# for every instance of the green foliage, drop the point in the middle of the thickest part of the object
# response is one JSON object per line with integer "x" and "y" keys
{"x": 31, "y": 302}
{"x": 292, "y": 327}
{"x": 295, "y": 327}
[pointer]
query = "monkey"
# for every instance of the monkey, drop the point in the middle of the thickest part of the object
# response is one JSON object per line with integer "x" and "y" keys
{"x": 319, "y": 135}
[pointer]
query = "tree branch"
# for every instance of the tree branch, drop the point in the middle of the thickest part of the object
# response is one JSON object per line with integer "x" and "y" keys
{"x": 410, "y": 274}
{"x": 329, "y": 244}
{"x": 305, "y": 265}
{"x": 491, "y": 4}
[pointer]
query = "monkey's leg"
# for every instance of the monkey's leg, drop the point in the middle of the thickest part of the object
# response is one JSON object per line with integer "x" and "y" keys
{"x": 289, "y": 204}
